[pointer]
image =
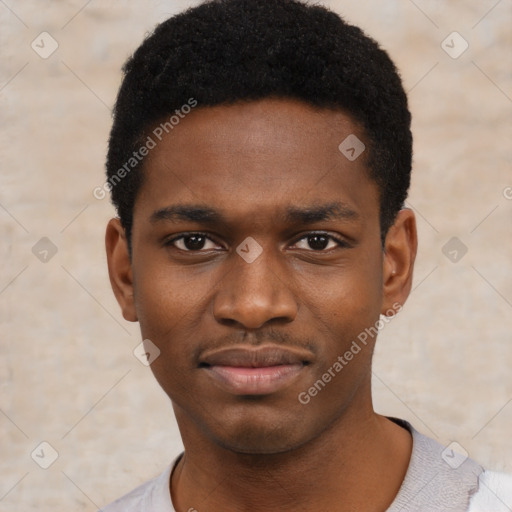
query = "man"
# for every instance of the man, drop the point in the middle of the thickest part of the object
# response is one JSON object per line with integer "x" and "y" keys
{"x": 259, "y": 161}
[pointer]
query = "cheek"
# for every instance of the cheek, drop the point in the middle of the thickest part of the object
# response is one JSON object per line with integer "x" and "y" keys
{"x": 346, "y": 319}
{"x": 162, "y": 305}
{"x": 345, "y": 309}
{"x": 166, "y": 295}
{"x": 347, "y": 297}
{"x": 171, "y": 307}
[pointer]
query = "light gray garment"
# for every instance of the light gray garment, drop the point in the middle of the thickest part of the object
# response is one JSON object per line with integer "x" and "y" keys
{"x": 432, "y": 483}
{"x": 437, "y": 479}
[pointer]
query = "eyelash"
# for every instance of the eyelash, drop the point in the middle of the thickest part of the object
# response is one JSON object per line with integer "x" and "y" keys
{"x": 341, "y": 243}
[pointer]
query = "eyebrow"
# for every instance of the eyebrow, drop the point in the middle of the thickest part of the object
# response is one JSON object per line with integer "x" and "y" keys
{"x": 334, "y": 211}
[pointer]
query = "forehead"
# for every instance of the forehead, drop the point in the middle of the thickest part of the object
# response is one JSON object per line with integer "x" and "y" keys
{"x": 259, "y": 158}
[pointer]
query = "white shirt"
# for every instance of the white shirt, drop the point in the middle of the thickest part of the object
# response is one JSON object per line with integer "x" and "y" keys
{"x": 494, "y": 493}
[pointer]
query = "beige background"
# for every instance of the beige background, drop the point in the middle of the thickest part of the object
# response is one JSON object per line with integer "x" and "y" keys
{"x": 67, "y": 372}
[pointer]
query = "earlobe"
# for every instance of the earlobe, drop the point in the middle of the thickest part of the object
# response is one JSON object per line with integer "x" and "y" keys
{"x": 398, "y": 261}
{"x": 120, "y": 268}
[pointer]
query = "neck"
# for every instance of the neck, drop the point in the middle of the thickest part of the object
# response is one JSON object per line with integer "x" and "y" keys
{"x": 358, "y": 463}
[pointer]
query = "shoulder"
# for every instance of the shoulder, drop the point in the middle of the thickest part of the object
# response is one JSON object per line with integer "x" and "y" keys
{"x": 494, "y": 493}
{"x": 152, "y": 495}
{"x": 437, "y": 477}
{"x": 131, "y": 501}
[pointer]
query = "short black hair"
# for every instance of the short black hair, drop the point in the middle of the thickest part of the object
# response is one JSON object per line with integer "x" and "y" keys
{"x": 227, "y": 51}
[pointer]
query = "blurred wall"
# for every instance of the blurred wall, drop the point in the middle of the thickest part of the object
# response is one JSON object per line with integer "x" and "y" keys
{"x": 68, "y": 376}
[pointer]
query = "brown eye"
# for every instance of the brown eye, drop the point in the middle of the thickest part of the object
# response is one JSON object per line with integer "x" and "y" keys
{"x": 319, "y": 242}
{"x": 192, "y": 242}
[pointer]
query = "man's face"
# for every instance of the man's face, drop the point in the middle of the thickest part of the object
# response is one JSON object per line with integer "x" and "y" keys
{"x": 243, "y": 333}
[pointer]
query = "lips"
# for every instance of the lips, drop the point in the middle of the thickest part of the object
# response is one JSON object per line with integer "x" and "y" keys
{"x": 256, "y": 357}
{"x": 249, "y": 370}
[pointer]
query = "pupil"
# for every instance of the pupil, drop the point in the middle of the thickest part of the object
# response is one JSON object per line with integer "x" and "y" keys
{"x": 318, "y": 242}
{"x": 197, "y": 244}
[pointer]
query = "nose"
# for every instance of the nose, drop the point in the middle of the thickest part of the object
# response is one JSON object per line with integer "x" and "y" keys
{"x": 253, "y": 294}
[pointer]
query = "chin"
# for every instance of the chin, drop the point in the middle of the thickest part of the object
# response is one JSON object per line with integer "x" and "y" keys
{"x": 257, "y": 445}
{"x": 256, "y": 437}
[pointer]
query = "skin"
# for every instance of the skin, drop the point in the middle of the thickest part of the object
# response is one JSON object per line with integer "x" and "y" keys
{"x": 250, "y": 161}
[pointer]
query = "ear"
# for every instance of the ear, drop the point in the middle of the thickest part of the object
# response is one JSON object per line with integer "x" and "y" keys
{"x": 400, "y": 249}
{"x": 120, "y": 268}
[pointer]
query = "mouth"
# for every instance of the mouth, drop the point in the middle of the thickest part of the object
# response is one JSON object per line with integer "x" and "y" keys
{"x": 249, "y": 370}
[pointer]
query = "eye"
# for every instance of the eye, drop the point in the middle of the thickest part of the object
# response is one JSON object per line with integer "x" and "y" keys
{"x": 201, "y": 242}
{"x": 320, "y": 242}
{"x": 192, "y": 242}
